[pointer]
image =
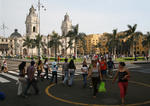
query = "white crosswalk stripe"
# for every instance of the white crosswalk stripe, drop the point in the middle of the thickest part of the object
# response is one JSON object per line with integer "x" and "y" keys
{"x": 3, "y": 80}
{"x": 10, "y": 76}
{"x": 15, "y": 74}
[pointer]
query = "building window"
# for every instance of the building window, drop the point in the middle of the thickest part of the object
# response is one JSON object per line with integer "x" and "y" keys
{"x": 34, "y": 29}
{"x": 2, "y": 40}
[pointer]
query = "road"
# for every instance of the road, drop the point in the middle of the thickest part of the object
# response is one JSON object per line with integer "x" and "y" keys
{"x": 59, "y": 95}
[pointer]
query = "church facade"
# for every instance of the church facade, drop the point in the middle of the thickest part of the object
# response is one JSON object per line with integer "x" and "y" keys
{"x": 13, "y": 45}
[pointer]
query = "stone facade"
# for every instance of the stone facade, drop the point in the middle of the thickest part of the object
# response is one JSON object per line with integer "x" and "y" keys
{"x": 13, "y": 45}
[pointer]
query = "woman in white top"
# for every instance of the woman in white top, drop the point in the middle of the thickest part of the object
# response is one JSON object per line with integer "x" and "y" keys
{"x": 5, "y": 66}
{"x": 96, "y": 76}
{"x": 84, "y": 70}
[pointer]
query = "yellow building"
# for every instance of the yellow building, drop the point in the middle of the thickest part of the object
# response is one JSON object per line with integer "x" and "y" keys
{"x": 93, "y": 39}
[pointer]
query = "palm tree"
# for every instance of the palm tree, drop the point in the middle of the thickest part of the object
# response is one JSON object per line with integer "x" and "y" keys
{"x": 75, "y": 37}
{"x": 113, "y": 41}
{"x": 55, "y": 42}
{"x": 133, "y": 36}
{"x": 83, "y": 46}
{"x": 99, "y": 45}
{"x": 38, "y": 43}
{"x": 27, "y": 43}
{"x": 146, "y": 41}
{"x": 30, "y": 43}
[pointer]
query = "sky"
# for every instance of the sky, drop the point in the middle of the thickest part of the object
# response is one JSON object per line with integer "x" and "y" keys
{"x": 93, "y": 16}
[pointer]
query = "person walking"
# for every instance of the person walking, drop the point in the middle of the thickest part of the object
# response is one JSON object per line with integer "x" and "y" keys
{"x": 39, "y": 68}
{"x": 4, "y": 67}
{"x": 72, "y": 69}
{"x": 46, "y": 68}
{"x": 103, "y": 68}
{"x": 31, "y": 79}
{"x": 54, "y": 71}
{"x": 84, "y": 70}
{"x": 21, "y": 80}
{"x": 65, "y": 71}
{"x": 123, "y": 77}
{"x": 95, "y": 74}
{"x": 110, "y": 67}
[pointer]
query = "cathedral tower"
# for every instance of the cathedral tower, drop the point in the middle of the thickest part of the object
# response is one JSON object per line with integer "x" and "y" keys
{"x": 66, "y": 25}
{"x": 32, "y": 23}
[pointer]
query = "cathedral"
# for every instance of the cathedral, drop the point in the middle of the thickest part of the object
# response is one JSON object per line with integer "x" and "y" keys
{"x": 13, "y": 45}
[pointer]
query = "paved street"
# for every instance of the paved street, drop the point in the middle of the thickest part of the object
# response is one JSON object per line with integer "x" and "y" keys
{"x": 59, "y": 95}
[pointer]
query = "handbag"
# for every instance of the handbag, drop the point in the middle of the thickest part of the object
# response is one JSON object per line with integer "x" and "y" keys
{"x": 102, "y": 87}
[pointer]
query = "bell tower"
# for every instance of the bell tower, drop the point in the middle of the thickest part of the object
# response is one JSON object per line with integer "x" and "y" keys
{"x": 32, "y": 23}
{"x": 66, "y": 25}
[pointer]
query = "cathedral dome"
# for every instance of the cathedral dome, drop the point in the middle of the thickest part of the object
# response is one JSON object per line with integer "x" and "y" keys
{"x": 15, "y": 34}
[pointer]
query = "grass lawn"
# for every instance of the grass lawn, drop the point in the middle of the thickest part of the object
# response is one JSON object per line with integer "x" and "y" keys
{"x": 125, "y": 59}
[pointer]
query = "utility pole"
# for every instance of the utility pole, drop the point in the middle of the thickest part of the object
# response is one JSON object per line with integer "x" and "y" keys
{"x": 39, "y": 8}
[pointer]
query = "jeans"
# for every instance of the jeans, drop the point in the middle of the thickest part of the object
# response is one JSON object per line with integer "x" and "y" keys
{"x": 34, "y": 84}
{"x": 85, "y": 79}
{"x": 71, "y": 73}
{"x": 54, "y": 74}
{"x": 66, "y": 77}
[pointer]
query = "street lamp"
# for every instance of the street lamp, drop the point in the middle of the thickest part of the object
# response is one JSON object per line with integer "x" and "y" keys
{"x": 39, "y": 8}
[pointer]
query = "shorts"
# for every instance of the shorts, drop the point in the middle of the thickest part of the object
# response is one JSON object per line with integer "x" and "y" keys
{"x": 103, "y": 72}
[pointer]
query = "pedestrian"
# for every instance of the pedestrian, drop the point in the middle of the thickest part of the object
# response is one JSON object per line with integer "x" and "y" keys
{"x": 46, "y": 68}
{"x": 84, "y": 70}
{"x": 58, "y": 59}
{"x": 65, "y": 67}
{"x": 72, "y": 69}
{"x": 54, "y": 71}
{"x": 90, "y": 66}
{"x": 39, "y": 68}
{"x": 123, "y": 77}
{"x": 31, "y": 79}
{"x": 103, "y": 68}
{"x": 110, "y": 67}
{"x": 95, "y": 74}
{"x": 4, "y": 66}
{"x": 147, "y": 57}
{"x": 21, "y": 80}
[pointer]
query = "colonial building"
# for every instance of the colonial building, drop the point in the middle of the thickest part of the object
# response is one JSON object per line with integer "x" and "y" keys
{"x": 66, "y": 27}
{"x": 13, "y": 45}
{"x": 93, "y": 39}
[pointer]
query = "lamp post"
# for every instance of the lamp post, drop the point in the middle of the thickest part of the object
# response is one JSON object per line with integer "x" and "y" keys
{"x": 39, "y": 8}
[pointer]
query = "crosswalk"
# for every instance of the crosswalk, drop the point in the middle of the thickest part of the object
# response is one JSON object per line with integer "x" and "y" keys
{"x": 13, "y": 75}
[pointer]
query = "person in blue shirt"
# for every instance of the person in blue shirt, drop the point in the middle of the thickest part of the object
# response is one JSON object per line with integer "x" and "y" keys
{"x": 54, "y": 69}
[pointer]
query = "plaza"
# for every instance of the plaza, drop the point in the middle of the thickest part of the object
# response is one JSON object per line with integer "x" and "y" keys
{"x": 101, "y": 40}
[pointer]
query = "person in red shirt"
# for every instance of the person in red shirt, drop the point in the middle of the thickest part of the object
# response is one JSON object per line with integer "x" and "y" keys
{"x": 103, "y": 67}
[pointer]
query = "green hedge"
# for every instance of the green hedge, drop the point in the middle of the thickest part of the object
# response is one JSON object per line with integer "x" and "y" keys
{"x": 130, "y": 58}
